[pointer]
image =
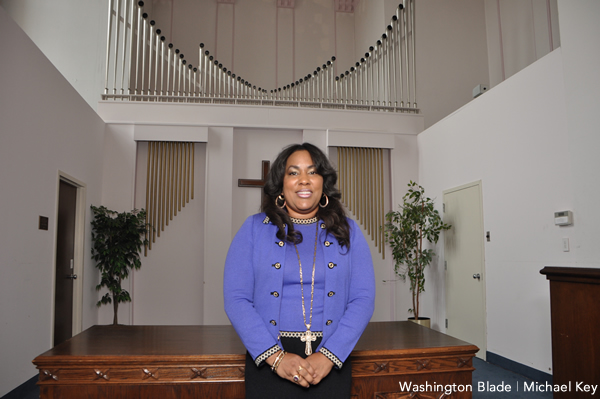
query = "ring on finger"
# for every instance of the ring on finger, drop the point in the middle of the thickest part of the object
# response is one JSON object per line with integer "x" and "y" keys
{"x": 296, "y": 378}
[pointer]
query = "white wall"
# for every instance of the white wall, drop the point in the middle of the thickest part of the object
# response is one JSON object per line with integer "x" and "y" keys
{"x": 71, "y": 34}
{"x": 533, "y": 142}
{"x": 267, "y": 46}
{"x": 169, "y": 287}
{"x": 451, "y": 49}
{"x": 456, "y": 41}
{"x": 581, "y": 54}
{"x": 515, "y": 140}
{"x": 519, "y": 33}
{"x": 45, "y": 127}
{"x": 370, "y": 22}
{"x": 218, "y": 220}
{"x": 451, "y": 55}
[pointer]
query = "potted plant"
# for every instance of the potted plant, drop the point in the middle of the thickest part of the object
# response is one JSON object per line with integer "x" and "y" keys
{"x": 407, "y": 231}
{"x": 117, "y": 242}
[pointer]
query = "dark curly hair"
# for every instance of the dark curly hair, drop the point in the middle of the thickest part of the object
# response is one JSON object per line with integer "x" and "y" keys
{"x": 333, "y": 215}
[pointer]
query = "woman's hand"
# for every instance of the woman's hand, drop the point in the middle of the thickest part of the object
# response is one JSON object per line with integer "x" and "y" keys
{"x": 292, "y": 367}
{"x": 321, "y": 365}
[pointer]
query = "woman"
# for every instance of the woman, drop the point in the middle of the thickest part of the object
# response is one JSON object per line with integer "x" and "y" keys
{"x": 299, "y": 284}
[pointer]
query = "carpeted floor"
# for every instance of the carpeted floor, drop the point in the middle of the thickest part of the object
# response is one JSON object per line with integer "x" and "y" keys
{"x": 27, "y": 390}
{"x": 488, "y": 379}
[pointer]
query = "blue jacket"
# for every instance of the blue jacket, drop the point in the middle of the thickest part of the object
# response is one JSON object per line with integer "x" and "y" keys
{"x": 254, "y": 270}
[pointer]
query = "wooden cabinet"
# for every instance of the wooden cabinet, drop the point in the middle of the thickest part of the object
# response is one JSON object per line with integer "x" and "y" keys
{"x": 391, "y": 355}
{"x": 575, "y": 313}
{"x": 208, "y": 361}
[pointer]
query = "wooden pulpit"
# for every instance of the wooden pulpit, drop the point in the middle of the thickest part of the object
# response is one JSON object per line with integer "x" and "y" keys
{"x": 177, "y": 362}
{"x": 575, "y": 320}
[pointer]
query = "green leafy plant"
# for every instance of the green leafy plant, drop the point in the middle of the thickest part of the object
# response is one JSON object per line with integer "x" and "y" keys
{"x": 406, "y": 231}
{"x": 117, "y": 240}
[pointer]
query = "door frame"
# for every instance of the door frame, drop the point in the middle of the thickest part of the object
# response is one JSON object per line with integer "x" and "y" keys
{"x": 482, "y": 352}
{"x": 78, "y": 252}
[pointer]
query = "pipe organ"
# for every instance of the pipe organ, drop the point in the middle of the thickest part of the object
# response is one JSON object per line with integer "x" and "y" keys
{"x": 169, "y": 184}
{"x": 141, "y": 67}
{"x": 361, "y": 183}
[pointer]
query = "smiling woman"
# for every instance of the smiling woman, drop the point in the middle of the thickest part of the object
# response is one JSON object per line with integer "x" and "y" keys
{"x": 299, "y": 306}
{"x": 275, "y": 201}
{"x": 302, "y": 186}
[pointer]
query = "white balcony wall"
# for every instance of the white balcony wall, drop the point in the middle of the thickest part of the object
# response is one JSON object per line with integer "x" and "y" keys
{"x": 71, "y": 34}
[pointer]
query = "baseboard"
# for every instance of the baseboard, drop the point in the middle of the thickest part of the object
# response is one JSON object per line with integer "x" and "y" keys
{"x": 24, "y": 390}
{"x": 529, "y": 372}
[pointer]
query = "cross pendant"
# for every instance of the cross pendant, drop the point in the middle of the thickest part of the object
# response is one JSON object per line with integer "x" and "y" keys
{"x": 308, "y": 337}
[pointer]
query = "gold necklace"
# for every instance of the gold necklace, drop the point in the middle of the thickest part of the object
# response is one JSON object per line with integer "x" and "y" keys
{"x": 304, "y": 221}
{"x": 308, "y": 336}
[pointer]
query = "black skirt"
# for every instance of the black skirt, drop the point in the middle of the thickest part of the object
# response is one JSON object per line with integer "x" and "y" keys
{"x": 262, "y": 383}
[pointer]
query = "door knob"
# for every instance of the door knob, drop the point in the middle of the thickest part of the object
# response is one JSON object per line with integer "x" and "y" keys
{"x": 477, "y": 276}
{"x": 74, "y": 276}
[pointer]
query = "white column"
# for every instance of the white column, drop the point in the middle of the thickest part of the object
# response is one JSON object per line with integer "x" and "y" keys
{"x": 218, "y": 220}
{"x": 316, "y": 137}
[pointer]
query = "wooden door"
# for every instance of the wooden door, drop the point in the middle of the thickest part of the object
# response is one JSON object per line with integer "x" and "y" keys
{"x": 464, "y": 257}
{"x": 65, "y": 247}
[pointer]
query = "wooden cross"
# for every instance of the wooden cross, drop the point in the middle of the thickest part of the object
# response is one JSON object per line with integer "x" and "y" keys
{"x": 255, "y": 182}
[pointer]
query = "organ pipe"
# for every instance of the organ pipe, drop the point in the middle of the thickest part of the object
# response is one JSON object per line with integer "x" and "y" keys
{"x": 169, "y": 184}
{"x": 361, "y": 185}
{"x": 383, "y": 80}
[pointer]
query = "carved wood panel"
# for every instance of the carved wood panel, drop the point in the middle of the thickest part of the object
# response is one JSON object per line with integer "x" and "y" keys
{"x": 410, "y": 365}
{"x": 144, "y": 375}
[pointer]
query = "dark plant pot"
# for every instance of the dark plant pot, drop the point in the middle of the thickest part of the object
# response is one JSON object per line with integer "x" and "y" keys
{"x": 424, "y": 321}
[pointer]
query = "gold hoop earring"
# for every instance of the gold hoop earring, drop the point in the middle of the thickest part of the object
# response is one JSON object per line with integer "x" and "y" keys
{"x": 278, "y": 200}
{"x": 326, "y": 201}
